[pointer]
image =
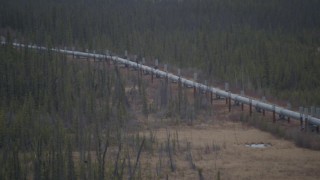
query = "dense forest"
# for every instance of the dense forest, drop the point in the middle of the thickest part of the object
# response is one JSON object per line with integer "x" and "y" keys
{"x": 49, "y": 108}
{"x": 270, "y": 46}
{"x": 52, "y": 108}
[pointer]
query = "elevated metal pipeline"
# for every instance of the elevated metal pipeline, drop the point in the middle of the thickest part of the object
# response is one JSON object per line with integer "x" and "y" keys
{"x": 235, "y": 97}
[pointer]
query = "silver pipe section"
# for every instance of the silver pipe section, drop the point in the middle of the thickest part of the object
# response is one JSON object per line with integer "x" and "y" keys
{"x": 189, "y": 83}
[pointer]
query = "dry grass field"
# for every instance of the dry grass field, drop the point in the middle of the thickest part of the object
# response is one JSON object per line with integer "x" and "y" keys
{"x": 220, "y": 149}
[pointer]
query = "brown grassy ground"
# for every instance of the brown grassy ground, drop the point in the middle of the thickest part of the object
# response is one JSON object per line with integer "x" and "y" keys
{"x": 221, "y": 147}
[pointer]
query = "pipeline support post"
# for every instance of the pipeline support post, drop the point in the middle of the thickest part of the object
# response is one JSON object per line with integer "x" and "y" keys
{"x": 263, "y": 110}
{"x": 140, "y": 69}
{"x": 229, "y": 104}
{"x": 288, "y": 107}
{"x": 179, "y": 84}
{"x": 211, "y": 98}
{"x": 250, "y": 107}
{"x": 166, "y": 70}
{"x": 195, "y": 77}
{"x": 226, "y": 88}
{"x": 274, "y": 114}
{"x": 229, "y": 99}
{"x": 242, "y": 94}
{"x": 306, "y": 124}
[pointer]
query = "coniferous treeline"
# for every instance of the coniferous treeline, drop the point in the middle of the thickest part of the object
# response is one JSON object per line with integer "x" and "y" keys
{"x": 264, "y": 45}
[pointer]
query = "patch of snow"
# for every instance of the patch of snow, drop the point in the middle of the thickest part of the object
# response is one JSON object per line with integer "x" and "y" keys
{"x": 258, "y": 145}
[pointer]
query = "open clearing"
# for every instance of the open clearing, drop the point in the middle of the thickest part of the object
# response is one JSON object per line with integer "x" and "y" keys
{"x": 221, "y": 147}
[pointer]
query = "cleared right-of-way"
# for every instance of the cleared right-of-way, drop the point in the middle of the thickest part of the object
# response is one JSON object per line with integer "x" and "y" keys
{"x": 303, "y": 117}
